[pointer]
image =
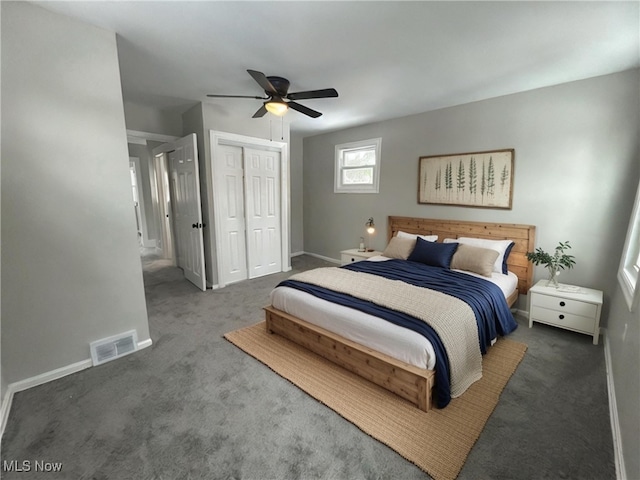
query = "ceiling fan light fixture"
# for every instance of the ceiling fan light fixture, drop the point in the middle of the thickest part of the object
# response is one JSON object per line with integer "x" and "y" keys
{"x": 278, "y": 108}
{"x": 278, "y": 99}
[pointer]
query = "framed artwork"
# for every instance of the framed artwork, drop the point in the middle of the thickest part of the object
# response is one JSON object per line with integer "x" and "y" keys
{"x": 480, "y": 179}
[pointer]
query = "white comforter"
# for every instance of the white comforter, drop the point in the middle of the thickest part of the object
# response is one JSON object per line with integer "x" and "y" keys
{"x": 373, "y": 332}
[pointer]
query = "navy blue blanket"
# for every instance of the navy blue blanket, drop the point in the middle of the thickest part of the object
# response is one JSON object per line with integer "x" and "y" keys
{"x": 485, "y": 299}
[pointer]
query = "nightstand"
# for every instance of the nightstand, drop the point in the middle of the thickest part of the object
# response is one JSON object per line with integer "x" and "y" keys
{"x": 353, "y": 255}
{"x": 569, "y": 307}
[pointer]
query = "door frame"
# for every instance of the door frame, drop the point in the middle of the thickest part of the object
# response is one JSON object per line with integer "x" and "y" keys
{"x": 218, "y": 138}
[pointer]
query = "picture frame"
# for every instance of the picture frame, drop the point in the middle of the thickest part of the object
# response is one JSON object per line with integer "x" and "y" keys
{"x": 475, "y": 179}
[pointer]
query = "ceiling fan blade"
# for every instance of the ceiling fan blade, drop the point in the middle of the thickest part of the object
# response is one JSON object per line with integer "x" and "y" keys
{"x": 324, "y": 93}
{"x": 261, "y": 112}
{"x": 236, "y": 96}
{"x": 263, "y": 81}
{"x": 302, "y": 109}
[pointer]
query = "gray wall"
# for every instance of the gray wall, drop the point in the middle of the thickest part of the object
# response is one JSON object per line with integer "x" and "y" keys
{"x": 577, "y": 164}
{"x": 297, "y": 197}
{"x": 143, "y": 118}
{"x": 576, "y": 170}
{"x": 71, "y": 270}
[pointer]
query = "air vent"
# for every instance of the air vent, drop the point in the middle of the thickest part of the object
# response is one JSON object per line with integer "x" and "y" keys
{"x": 113, "y": 347}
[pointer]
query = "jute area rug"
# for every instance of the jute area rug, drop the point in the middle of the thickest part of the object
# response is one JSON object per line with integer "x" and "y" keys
{"x": 438, "y": 442}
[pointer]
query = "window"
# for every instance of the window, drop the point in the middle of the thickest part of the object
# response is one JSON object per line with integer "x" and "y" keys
{"x": 629, "y": 271}
{"x": 358, "y": 167}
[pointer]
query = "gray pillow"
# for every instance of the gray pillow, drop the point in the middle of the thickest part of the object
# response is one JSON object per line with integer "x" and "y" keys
{"x": 400, "y": 248}
{"x": 474, "y": 259}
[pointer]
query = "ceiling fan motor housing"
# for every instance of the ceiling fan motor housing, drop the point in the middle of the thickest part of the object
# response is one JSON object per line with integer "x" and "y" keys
{"x": 280, "y": 84}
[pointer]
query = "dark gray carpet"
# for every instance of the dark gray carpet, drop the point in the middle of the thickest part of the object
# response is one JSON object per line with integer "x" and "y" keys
{"x": 193, "y": 406}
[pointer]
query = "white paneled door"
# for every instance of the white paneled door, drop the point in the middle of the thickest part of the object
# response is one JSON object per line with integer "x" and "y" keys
{"x": 187, "y": 210}
{"x": 262, "y": 188}
{"x": 231, "y": 212}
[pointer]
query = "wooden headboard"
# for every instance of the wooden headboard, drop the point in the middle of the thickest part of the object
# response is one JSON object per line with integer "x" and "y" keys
{"x": 522, "y": 235}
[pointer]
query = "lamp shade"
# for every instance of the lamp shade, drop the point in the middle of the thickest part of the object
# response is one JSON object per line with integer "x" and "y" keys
{"x": 278, "y": 108}
{"x": 371, "y": 227}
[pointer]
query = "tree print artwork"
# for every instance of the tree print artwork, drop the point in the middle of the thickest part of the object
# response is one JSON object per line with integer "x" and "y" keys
{"x": 482, "y": 179}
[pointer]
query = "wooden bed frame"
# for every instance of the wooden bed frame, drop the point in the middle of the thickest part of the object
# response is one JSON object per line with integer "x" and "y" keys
{"x": 409, "y": 382}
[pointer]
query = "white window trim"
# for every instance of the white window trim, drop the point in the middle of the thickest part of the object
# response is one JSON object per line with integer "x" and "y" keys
{"x": 628, "y": 275}
{"x": 374, "y": 187}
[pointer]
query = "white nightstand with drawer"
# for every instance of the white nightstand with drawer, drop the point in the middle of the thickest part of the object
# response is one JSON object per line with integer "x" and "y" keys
{"x": 578, "y": 311}
{"x": 353, "y": 255}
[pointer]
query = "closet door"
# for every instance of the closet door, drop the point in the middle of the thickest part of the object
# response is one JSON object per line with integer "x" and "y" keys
{"x": 232, "y": 215}
{"x": 262, "y": 194}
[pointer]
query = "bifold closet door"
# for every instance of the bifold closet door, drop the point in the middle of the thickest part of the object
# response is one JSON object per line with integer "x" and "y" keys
{"x": 232, "y": 214}
{"x": 262, "y": 211}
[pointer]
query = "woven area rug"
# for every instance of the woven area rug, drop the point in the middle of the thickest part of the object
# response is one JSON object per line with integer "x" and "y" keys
{"x": 438, "y": 442}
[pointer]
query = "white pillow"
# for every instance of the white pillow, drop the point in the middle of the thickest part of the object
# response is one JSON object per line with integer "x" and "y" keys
{"x": 428, "y": 238}
{"x": 501, "y": 246}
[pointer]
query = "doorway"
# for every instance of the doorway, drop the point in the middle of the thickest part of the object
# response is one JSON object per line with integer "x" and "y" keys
{"x": 162, "y": 207}
{"x": 180, "y": 206}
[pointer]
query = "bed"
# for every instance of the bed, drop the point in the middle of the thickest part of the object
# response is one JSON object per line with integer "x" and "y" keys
{"x": 388, "y": 360}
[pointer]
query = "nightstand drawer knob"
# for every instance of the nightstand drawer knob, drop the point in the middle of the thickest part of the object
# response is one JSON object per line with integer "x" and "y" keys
{"x": 561, "y": 317}
{"x": 562, "y": 304}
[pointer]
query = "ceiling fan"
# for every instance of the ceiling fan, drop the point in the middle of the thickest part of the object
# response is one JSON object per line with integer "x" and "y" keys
{"x": 278, "y": 100}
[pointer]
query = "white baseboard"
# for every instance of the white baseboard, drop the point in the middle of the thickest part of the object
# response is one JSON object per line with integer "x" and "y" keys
{"x": 524, "y": 313}
{"x": 5, "y": 408}
{"x": 297, "y": 254}
{"x": 42, "y": 378}
{"x": 21, "y": 385}
{"x": 150, "y": 243}
{"x": 322, "y": 257}
{"x": 621, "y": 472}
{"x": 50, "y": 376}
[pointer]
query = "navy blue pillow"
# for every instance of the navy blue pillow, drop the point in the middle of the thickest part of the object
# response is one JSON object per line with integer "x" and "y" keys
{"x": 433, "y": 254}
{"x": 505, "y": 269}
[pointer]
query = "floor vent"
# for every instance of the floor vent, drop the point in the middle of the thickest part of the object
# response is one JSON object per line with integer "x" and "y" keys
{"x": 113, "y": 347}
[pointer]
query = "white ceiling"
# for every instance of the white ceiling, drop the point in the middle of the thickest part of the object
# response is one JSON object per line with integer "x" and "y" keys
{"x": 386, "y": 59}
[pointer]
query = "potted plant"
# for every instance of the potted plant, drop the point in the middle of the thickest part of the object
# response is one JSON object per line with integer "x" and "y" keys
{"x": 554, "y": 263}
